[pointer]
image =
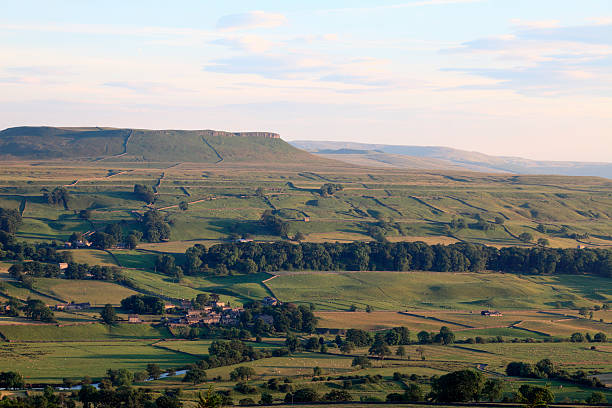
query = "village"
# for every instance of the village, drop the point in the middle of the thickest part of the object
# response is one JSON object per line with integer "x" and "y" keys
{"x": 190, "y": 313}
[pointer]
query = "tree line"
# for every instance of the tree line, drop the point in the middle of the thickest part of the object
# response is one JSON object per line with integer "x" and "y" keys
{"x": 253, "y": 257}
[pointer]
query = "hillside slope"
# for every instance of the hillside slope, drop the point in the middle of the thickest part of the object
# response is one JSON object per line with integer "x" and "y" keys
{"x": 203, "y": 146}
{"x": 446, "y": 158}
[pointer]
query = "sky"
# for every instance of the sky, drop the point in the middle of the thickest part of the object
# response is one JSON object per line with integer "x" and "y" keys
{"x": 529, "y": 78}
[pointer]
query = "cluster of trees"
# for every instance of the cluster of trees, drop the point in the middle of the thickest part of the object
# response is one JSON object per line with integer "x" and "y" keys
{"x": 143, "y": 304}
{"x": 25, "y": 271}
{"x": 274, "y": 224}
{"x": 254, "y": 257}
{"x": 10, "y": 220}
{"x": 287, "y": 317}
{"x": 155, "y": 226}
{"x": 11, "y": 380}
{"x": 166, "y": 264}
{"x": 310, "y": 395}
{"x": 577, "y": 337}
{"x": 224, "y": 353}
{"x": 35, "y": 269}
{"x": 36, "y": 309}
{"x": 144, "y": 193}
{"x": 59, "y": 195}
{"x": 111, "y": 236}
{"x": 546, "y": 369}
{"x": 329, "y": 189}
{"x": 445, "y": 336}
{"x": 15, "y": 250}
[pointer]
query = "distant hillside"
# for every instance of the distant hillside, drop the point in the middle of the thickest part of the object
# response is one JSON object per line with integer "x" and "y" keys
{"x": 206, "y": 146}
{"x": 446, "y": 158}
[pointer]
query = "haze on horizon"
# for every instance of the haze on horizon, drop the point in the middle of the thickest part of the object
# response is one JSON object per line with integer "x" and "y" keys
{"x": 504, "y": 77}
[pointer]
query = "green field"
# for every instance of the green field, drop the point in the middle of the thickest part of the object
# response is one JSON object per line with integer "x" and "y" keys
{"x": 83, "y": 332}
{"x": 97, "y": 293}
{"x": 54, "y": 361}
{"x": 433, "y": 290}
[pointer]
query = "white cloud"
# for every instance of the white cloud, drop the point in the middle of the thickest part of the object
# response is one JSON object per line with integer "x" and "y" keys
{"x": 251, "y": 19}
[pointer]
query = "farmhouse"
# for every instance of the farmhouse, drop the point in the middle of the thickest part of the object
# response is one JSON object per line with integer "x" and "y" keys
{"x": 494, "y": 313}
{"x": 133, "y": 318}
{"x": 270, "y": 301}
{"x": 73, "y": 306}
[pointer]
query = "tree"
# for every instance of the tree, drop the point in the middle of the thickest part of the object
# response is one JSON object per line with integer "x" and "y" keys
{"x": 85, "y": 214}
{"x": 379, "y": 347}
{"x": 424, "y": 337}
{"x": 525, "y": 237}
{"x": 414, "y": 393}
{"x": 35, "y": 309}
{"x": 210, "y": 400}
{"x": 446, "y": 336}
{"x": 543, "y": 242}
{"x": 88, "y": 395}
{"x": 361, "y": 361}
{"x": 144, "y": 193}
{"x": 143, "y": 304}
{"x": 338, "y": 396}
{"x": 299, "y": 236}
{"x": 535, "y": 396}
{"x": 266, "y": 398}
{"x": 369, "y": 309}
{"x": 120, "y": 377}
{"x": 359, "y": 337}
{"x": 168, "y": 401}
{"x": 183, "y": 205}
{"x": 132, "y": 240}
{"x": 242, "y": 373}
{"x": 108, "y": 314}
{"x": 499, "y": 220}
{"x": 195, "y": 375}
{"x": 154, "y": 371}
{"x": 302, "y": 395}
{"x": 546, "y": 367}
{"x": 493, "y": 389}
{"x": 400, "y": 352}
{"x": 347, "y": 347}
{"x": 600, "y": 337}
{"x": 577, "y": 338}
{"x": 10, "y": 220}
{"x": 597, "y": 397}
{"x": 102, "y": 240}
{"x": 458, "y": 386}
{"x": 11, "y": 380}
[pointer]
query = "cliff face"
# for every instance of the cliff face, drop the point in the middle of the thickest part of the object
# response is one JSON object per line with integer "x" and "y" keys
{"x": 265, "y": 135}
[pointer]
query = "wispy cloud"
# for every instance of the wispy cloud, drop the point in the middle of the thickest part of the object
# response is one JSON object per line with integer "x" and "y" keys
{"x": 267, "y": 66}
{"x": 418, "y": 3}
{"x": 248, "y": 43}
{"x": 251, "y": 19}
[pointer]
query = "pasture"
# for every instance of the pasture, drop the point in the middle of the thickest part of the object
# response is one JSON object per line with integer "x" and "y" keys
{"x": 51, "y": 362}
{"x": 433, "y": 290}
{"x": 221, "y": 201}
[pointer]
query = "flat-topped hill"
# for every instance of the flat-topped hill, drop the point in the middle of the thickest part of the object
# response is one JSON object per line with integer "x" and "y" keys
{"x": 100, "y": 143}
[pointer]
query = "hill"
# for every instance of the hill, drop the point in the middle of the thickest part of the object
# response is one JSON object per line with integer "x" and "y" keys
{"x": 201, "y": 146}
{"x": 446, "y": 158}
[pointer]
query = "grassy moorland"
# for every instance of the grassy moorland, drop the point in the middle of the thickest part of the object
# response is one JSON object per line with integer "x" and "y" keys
{"x": 222, "y": 200}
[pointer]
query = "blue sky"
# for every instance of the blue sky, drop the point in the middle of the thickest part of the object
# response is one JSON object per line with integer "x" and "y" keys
{"x": 507, "y": 77}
